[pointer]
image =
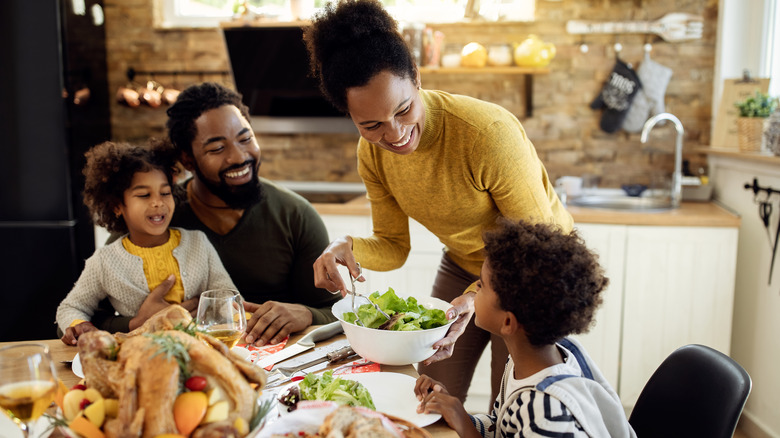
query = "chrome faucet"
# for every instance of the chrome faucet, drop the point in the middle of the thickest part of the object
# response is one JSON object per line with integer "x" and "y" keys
{"x": 676, "y": 193}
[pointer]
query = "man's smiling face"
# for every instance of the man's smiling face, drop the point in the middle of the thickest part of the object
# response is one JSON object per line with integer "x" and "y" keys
{"x": 226, "y": 156}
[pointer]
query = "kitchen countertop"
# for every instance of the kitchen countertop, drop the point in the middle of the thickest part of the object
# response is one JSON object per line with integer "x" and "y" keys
{"x": 690, "y": 214}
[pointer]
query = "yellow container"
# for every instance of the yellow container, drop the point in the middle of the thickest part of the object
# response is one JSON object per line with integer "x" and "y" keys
{"x": 533, "y": 52}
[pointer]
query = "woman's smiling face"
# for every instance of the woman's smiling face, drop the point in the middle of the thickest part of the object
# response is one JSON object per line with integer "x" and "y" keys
{"x": 388, "y": 112}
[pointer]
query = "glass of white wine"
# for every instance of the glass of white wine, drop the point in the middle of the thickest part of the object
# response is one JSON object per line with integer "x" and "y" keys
{"x": 27, "y": 383}
{"x": 221, "y": 315}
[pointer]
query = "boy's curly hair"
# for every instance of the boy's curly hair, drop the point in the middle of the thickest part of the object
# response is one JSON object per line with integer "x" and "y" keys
{"x": 548, "y": 279}
{"x": 349, "y": 42}
{"x": 109, "y": 172}
{"x": 191, "y": 103}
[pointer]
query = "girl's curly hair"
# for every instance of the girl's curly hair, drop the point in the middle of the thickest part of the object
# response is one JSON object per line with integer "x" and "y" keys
{"x": 548, "y": 279}
{"x": 349, "y": 42}
{"x": 109, "y": 172}
{"x": 190, "y": 104}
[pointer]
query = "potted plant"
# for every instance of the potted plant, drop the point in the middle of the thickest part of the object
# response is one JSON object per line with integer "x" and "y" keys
{"x": 753, "y": 111}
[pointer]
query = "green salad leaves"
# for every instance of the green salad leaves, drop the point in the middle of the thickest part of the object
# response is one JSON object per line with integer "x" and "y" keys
{"x": 415, "y": 316}
{"x": 342, "y": 391}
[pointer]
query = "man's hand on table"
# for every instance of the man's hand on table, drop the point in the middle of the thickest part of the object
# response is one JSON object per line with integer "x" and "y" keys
{"x": 463, "y": 309}
{"x": 272, "y": 321}
{"x": 72, "y": 334}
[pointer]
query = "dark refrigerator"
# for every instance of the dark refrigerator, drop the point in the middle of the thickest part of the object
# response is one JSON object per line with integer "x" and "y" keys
{"x": 53, "y": 107}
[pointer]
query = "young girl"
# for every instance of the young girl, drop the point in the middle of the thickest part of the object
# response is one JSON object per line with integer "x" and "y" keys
{"x": 129, "y": 189}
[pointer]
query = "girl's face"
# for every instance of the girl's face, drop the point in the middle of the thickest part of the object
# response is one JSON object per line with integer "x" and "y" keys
{"x": 147, "y": 208}
{"x": 488, "y": 314}
{"x": 388, "y": 112}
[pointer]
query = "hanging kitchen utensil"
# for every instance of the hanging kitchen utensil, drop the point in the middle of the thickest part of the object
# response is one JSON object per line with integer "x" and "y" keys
{"x": 765, "y": 213}
{"x": 672, "y": 27}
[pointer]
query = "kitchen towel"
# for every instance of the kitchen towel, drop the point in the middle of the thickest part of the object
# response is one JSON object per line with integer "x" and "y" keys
{"x": 616, "y": 96}
{"x": 649, "y": 101}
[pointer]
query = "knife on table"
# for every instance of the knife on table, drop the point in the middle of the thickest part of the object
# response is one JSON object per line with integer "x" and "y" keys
{"x": 305, "y": 343}
{"x": 332, "y": 357}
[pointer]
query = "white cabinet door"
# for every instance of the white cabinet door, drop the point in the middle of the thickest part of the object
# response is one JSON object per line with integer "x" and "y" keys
{"x": 679, "y": 290}
{"x": 603, "y": 340}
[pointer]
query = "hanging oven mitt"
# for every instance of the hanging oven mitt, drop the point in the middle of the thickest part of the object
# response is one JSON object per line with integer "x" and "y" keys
{"x": 616, "y": 96}
{"x": 649, "y": 101}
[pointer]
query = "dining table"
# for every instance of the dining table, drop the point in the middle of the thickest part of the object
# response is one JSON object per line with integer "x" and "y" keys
{"x": 62, "y": 354}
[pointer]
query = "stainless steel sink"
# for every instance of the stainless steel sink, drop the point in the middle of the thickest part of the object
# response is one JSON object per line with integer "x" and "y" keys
{"x": 623, "y": 202}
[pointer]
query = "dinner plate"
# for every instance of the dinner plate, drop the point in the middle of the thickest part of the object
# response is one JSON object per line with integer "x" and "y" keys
{"x": 393, "y": 394}
{"x": 243, "y": 352}
{"x": 76, "y": 366}
{"x": 308, "y": 419}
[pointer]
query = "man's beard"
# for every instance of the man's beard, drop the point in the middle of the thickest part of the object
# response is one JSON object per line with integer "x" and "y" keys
{"x": 236, "y": 197}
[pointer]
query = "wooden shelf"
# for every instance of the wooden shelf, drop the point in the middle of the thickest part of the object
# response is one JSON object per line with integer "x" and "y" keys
{"x": 762, "y": 157}
{"x": 509, "y": 70}
{"x": 527, "y": 72}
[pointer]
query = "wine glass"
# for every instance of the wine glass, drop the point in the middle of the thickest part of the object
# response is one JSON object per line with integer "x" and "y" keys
{"x": 221, "y": 315}
{"x": 27, "y": 383}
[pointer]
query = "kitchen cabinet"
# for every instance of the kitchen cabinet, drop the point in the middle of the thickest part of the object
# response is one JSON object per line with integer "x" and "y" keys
{"x": 669, "y": 286}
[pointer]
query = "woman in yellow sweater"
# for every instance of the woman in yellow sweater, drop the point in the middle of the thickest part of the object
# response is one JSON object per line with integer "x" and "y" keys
{"x": 453, "y": 163}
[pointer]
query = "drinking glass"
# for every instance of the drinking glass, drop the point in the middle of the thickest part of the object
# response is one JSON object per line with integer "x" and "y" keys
{"x": 27, "y": 383}
{"x": 221, "y": 315}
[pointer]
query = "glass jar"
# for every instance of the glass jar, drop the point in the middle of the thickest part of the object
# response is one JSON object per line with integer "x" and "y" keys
{"x": 499, "y": 55}
{"x": 451, "y": 55}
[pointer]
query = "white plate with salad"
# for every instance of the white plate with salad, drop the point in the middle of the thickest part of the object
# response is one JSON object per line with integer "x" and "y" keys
{"x": 392, "y": 394}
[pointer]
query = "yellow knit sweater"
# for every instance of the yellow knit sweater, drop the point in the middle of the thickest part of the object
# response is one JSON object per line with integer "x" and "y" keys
{"x": 474, "y": 164}
{"x": 159, "y": 263}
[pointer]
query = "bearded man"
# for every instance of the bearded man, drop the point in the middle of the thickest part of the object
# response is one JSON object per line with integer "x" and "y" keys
{"x": 266, "y": 236}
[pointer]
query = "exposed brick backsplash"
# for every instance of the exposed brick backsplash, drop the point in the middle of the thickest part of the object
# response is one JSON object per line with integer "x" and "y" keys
{"x": 563, "y": 128}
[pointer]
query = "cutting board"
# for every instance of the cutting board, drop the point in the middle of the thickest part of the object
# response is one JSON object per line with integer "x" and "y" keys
{"x": 724, "y": 134}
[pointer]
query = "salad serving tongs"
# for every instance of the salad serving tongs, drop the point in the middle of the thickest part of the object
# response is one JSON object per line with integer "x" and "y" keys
{"x": 355, "y": 294}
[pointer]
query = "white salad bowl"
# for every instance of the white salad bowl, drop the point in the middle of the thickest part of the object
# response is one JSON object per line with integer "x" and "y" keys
{"x": 392, "y": 347}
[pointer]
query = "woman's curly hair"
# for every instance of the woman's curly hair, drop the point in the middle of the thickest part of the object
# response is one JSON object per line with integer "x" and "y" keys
{"x": 191, "y": 103}
{"x": 548, "y": 279}
{"x": 349, "y": 42}
{"x": 109, "y": 172}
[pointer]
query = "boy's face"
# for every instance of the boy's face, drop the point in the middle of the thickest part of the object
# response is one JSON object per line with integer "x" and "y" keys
{"x": 147, "y": 208}
{"x": 486, "y": 314}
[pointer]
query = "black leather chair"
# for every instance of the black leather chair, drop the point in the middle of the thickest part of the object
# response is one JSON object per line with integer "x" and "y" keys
{"x": 696, "y": 392}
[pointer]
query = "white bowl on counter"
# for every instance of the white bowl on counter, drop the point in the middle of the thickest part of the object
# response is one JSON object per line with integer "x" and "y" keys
{"x": 392, "y": 347}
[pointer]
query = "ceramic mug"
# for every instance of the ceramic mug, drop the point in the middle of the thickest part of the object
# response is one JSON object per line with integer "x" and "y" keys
{"x": 571, "y": 185}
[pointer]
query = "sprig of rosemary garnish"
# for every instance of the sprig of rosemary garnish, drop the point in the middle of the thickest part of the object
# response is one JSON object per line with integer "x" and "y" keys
{"x": 191, "y": 328}
{"x": 262, "y": 408}
{"x": 54, "y": 422}
{"x": 172, "y": 348}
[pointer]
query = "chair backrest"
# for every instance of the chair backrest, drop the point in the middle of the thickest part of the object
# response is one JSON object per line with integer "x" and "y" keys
{"x": 696, "y": 392}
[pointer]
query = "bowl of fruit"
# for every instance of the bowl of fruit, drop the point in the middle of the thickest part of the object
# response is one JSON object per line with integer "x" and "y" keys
{"x": 406, "y": 337}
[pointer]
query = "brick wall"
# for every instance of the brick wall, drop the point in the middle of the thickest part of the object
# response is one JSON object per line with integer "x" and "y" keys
{"x": 563, "y": 127}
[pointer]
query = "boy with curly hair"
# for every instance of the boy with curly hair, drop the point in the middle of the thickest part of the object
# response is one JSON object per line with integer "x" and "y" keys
{"x": 537, "y": 286}
{"x": 129, "y": 189}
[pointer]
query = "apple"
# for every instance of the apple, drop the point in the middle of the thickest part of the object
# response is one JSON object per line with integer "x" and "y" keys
{"x": 71, "y": 403}
{"x": 216, "y": 412}
{"x": 215, "y": 394}
{"x": 96, "y": 412}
